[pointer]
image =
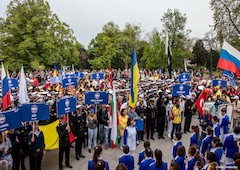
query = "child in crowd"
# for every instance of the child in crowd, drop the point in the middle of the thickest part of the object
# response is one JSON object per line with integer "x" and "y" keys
{"x": 158, "y": 164}
{"x": 211, "y": 157}
{"x": 206, "y": 143}
{"x": 193, "y": 158}
{"x": 181, "y": 157}
{"x": 148, "y": 159}
{"x": 216, "y": 126}
{"x": 224, "y": 124}
{"x": 177, "y": 138}
{"x": 127, "y": 159}
{"x": 142, "y": 154}
{"x": 195, "y": 135}
{"x": 216, "y": 148}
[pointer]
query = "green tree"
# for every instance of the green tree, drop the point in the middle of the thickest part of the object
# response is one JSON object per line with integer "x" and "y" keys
{"x": 200, "y": 54}
{"x": 154, "y": 54}
{"x": 174, "y": 23}
{"x": 226, "y": 15}
{"x": 31, "y": 33}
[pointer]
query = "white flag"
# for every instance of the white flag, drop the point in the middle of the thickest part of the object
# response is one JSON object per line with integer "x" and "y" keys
{"x": 166, "y": 44}
{"x": 23, "y": 94}
{"x": 185, "y": 66}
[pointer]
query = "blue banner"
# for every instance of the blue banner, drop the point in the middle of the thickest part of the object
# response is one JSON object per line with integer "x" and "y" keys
{"x": 220, "y": 83}
{"x": 34, "y": 111}
{"x": 97, "y": 97}
{"x": 79, "y": 74}
{"x": 9, "y": 120}
{"x": 139, "y": 124}
{"x": 69, "y": 82}
{"x": 66, "y": 105}
{"x": 56, "y": 80}
{"x": 69, "y": 76}
{"x": 180, "y": 89}
{"x": 97, "y": 76}
{"x": 13, "y": 83}
{"x": 182, "y": 78}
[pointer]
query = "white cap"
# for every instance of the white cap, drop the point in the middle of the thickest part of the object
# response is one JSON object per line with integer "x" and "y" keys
{"x": 236, "y": 97}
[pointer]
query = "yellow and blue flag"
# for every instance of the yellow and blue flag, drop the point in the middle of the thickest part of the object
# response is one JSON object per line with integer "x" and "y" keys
{"x": 134, "y": 81}
{"x": 54, "y": 70}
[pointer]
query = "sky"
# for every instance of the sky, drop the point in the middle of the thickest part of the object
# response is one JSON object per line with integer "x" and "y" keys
{"x": 86, "y": 17}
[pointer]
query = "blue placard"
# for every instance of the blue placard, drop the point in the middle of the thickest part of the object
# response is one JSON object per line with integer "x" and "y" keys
{"x": 139, "y": 124}
{"x": 13, "y": 83}
{"x": 66, "y": 105}
{"x": 34, "y": 111}
{"x": 97, "y": 97}
{"x": 79, "y": 74}
{"x": 97, "y": 76}
{"x": 180, "y": 89}
{"x": 69, "y": 82}
{"x": 9, "y": 120}
{"x": 69, "y": 76}
{"x": 182, "y": 78}
{"x": 221, "y": 83}
{"x": 56, "y": 80}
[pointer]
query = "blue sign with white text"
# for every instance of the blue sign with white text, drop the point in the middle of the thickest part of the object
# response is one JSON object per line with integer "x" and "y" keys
{"x": 79, "y": 75}
{"x": 182, "y": 78}
{"x": 69, "y": 76}
{"x": 9, "y": 120}
{"x": 221, "y": 83}
{"x": 13, "y": 83}
{"x": 180, "y": 89}
{"x": 69, "y": 82}
{"x": 56, "y": 80}
{"x": 66, "y": 105}
{"x": 34, "y": 111}
{"x": 97, "y": 76}
{"x": 97, "y": 97}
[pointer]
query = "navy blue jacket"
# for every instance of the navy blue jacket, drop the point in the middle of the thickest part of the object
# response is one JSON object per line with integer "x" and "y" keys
{"x": 153, "y": 166}
{"x": 224, "y": 124}
{"x": 175, "y": 147}
{"x": 194, "y": 140}
{"x": 128, "y": 160}
{"x": 230, "y": 145}
{"x": 91, "y": 165}
{"x": 191, "y": 164}
{"x": 180, "y": 160}
{"x": 206, "y": 144}
{"x": 216, "y": 131}
{"x": 145, "y": 163}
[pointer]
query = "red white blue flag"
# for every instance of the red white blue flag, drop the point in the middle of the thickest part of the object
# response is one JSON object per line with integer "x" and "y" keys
{"x": 6, "y": 93}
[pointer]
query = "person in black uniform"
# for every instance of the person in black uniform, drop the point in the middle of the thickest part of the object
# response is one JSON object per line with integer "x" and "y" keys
{"x": 141, "y": 110}
{"x": 37, "y": 147}
{"x": 24, "y": 130}
{"x": 15, "y": 139}
{"x": 161, "y": 116}
{"x": 79, "y": 131}
{"x": 63, "y": 131}
{"x": 190, "y": 108}
{"x": 150, "y": 118}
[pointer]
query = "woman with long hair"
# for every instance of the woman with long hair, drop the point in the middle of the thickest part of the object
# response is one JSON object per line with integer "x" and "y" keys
{"x": 195, "y": 135}
{"x": 158, "y": 164}
{"x": 206, "y": 143}
{"x": 92, "y": 129}
{"x": 97, "y": 156}
{"x": 123, "y": 118}
{"x": 217, "y": 149}
{"x": 194, "y": 159}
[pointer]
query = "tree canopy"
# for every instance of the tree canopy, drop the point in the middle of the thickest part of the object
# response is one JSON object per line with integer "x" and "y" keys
{"x": 33, "y": 36}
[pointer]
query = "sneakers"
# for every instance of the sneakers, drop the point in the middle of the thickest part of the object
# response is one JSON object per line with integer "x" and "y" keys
{"x": 173, "y": 141}
{"x": 121, "y": 147}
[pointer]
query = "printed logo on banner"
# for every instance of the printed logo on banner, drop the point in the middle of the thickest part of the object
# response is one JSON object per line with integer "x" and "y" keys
{"x": 219, "y": 82}
{"x": 69, "y": 80}
{"x": 97, "y": 96}
{"x": 34, "y": 110}
{"x": 184, "y": 76}
{"x": 2, "y": 119}
{"x": 181, "y": 88}
{"x": 67, "y": 103}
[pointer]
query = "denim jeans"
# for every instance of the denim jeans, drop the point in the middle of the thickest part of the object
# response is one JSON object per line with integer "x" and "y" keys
{"x": 92, "y": 135}
{"x": 101, "y": 133}
{"x": 177, "y": 128}
{"x": 106, "y": 136}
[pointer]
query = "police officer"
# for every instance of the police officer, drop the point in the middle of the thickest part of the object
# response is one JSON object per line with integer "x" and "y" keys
{"x": 64, "y": 142}
{"x": 24, "y": 130}
{"x": 161, "y": 115}
{"x": 141, "y": 111}
{"x": 150, "y": 118}
{"x": 79, "y": 131}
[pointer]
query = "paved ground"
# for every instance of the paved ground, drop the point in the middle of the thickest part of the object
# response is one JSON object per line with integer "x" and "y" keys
{"x": 50, "y": 160}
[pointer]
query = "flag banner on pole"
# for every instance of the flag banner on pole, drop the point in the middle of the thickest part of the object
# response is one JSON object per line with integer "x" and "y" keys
{"x": 79, "y": 74}
{"x": 56, "y": 80}
{"x": 66, "y": 105}
{"x": 97, "y": 97}
{"x": 6, "y": 93}
{"x": 23, "y": 94}
{"x": 97, "y": 76}
{"x": 229, "y": 59}
{"x": 170, "y": 62}
{"x": 114, "y": 115}
{"x": 34, "y": 111}
{"x": 220, "y": 83}
{"x": 185, "y": 77}
{"x": 13, "y": 83}
{"x": 133, "y": 97}
{"x": 180, "y": 89}
{"x": 9, "y": 120}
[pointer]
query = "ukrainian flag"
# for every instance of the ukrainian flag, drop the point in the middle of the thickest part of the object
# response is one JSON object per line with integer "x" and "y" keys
{"x": 134, "y": 81}
{"x": 54, "y": 70}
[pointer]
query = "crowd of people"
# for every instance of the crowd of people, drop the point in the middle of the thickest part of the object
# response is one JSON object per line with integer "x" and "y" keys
{"x": 211, "y": 141}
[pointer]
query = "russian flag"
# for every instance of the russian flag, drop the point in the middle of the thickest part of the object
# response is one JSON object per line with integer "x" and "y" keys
{"x": 6, "y": 93}
{"x": 229, "y": 59}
